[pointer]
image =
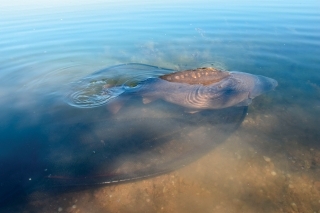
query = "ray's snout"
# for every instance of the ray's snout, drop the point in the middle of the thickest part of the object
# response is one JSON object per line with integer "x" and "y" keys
{"x": 274, "y": 83}
{"x": 262, "y": 85}
{"x": 268, "y": 83}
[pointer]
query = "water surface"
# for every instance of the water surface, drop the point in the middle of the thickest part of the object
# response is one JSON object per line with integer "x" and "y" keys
{"x": 270, "y": 164}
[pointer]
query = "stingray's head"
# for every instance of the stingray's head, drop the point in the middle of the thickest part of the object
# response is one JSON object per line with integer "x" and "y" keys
{"x": 262, "y": 85}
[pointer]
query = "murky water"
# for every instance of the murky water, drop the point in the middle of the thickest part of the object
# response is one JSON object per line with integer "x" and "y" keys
{"x": 52, "y": 138}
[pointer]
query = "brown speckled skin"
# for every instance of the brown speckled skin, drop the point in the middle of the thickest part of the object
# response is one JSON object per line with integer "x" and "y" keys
{"x": 205, "y": 88}
{"x": 204, "y": 76}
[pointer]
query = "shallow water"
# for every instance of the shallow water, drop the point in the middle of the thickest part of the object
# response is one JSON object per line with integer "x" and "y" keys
{"x": 271, "y": 163}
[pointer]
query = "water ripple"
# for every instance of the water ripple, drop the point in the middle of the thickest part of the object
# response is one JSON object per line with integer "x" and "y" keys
{"x": 94, "y": 94}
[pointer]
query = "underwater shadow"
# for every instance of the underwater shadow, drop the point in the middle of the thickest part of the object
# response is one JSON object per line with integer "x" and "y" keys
{"x": 65, "y": 146}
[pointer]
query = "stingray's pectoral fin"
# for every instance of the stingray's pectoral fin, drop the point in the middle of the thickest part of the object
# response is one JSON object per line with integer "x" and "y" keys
{"x": 246, "y": 102}
{"x": 147, "y": 100}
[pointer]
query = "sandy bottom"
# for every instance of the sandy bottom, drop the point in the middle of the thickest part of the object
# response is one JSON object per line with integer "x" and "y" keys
{"x": 268, "y": 165}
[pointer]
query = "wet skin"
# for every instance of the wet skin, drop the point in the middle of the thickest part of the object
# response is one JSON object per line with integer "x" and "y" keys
{"x": 205, "y": 88}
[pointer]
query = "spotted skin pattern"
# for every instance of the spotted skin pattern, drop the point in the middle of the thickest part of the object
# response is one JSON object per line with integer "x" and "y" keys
{"x": 206, "y": 88}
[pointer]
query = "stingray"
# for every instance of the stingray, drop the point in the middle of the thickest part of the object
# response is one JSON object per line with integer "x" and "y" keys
{"x": 90, "y": 144}
{"x": 144, "y": 140}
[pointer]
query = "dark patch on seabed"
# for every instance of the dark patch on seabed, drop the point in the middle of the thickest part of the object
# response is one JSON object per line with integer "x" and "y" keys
{"x": 53, "y": 146}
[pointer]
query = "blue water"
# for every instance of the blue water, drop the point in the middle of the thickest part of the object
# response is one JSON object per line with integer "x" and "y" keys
{"x": 47, "y": 49}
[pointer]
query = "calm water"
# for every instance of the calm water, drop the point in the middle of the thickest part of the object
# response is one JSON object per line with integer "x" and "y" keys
{"x": 49, "y": 140}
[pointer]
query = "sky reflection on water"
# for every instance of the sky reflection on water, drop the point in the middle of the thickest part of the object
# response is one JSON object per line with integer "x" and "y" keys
{"x": 270, "y": 164}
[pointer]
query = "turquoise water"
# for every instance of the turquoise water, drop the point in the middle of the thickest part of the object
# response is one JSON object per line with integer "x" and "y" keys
{"x": 269, "y": 164}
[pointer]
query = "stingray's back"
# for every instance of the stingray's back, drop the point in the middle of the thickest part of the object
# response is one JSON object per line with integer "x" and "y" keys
{"x": 204, "y": 76}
